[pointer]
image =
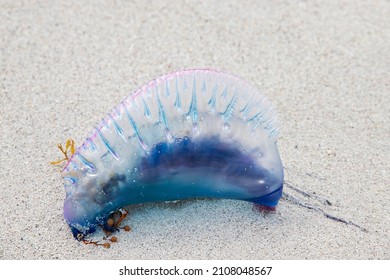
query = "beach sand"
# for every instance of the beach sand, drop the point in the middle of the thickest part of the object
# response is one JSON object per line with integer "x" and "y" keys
{"x": 323, "y": 64}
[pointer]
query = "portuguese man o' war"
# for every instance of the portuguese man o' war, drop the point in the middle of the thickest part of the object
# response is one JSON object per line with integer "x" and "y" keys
{"x": 189, "y": 134}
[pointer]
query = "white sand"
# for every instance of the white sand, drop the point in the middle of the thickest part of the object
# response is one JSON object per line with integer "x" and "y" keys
{"x": 324, "y": 65}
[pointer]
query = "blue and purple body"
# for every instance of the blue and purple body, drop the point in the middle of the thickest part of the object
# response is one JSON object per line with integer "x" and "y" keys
{"x": 189, "y": 134}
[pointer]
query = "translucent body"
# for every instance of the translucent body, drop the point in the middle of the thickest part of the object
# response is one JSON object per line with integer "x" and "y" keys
{"x": 189, "y": 134}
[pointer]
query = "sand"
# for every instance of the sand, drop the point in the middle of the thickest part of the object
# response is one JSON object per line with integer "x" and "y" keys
{"x": 323, "y": 64}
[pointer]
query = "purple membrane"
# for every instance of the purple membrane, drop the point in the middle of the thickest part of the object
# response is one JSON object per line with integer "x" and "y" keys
{"x": 189, "y": 134}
